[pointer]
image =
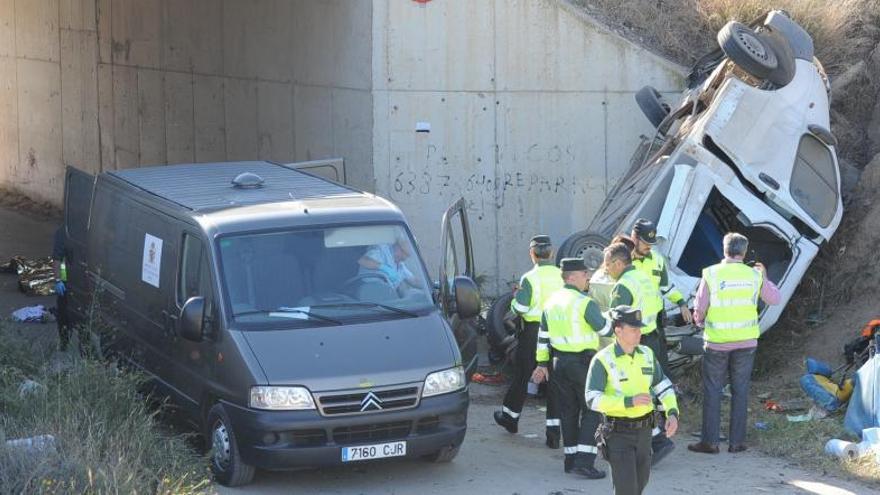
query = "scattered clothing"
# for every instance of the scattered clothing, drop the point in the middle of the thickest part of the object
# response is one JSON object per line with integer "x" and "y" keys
{"x": 33, "y": 314}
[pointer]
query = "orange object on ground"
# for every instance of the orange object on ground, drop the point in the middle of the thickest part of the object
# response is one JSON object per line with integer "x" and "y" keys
{"x": 868, "y": 330}
{"x": 488, "y": 379}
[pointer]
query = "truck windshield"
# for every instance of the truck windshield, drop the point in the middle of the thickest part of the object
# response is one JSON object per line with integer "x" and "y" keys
{"x": 324, "y": 276}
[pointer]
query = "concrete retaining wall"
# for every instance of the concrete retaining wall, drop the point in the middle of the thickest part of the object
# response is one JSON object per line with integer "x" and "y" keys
{"x": 106, "y": 84}
{"x": 531, "y": 114}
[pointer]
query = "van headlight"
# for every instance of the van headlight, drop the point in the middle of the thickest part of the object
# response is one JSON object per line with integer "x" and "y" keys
{"x": 443, "y": 382}
{"x": 281, "y": 398}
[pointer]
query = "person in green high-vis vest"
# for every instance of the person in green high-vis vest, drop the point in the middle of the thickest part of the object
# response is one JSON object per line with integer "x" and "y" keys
{"x": 535, "y": 287}
{"x": 726, "y": 307}
{"x": 638, "y": 290}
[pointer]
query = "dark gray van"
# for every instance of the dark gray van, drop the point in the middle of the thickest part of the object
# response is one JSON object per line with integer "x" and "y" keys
{"x": 292, "y": 317}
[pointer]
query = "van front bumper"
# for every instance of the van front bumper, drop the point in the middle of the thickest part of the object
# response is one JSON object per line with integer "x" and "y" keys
{"x": 293, "y": 439}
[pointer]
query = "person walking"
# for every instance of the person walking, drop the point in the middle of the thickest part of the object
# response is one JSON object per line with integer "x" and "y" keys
{"x": 727, "y": 307}
{"x": 535, "y": 287}
{"x": 636, "y": 289}
{"x": 652, "y": 263}
{"x": 570, "y": 328}
{"x": 623, "y": 382}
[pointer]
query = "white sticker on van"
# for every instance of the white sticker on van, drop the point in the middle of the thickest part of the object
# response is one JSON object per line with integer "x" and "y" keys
{"x": 152, "y": 260}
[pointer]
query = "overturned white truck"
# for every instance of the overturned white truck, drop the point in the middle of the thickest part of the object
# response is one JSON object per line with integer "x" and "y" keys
{"x": 747, "y": 149}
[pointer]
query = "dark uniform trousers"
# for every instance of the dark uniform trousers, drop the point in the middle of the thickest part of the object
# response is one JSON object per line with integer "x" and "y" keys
{"x": 579, "y": 422}
{"x": 525, "y": 364}
{"x": 62, "y": 320}
{"x": 629, "y": 454}
{"x": 656, "y": 341}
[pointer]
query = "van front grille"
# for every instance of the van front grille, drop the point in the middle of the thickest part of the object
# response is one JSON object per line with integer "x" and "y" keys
{"x": 369, "y": 401}
{"x": 371, "y": 433}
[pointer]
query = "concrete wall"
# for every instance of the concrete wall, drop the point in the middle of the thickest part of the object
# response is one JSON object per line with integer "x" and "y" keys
{"x": 107, "y": 84}
{"x": 532, "y": 119}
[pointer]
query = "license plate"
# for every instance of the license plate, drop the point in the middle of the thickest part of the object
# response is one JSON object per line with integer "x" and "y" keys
{"x": 378, "y": 451}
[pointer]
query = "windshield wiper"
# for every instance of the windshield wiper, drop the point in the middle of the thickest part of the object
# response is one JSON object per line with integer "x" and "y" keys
{"x": 386, "y": 307}
{"x": 289, "y": 310}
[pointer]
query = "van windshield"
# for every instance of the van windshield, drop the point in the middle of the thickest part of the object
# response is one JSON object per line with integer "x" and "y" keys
{"x": 324, "y": 276}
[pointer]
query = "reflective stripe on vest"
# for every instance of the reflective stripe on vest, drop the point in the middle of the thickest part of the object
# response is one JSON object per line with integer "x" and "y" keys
{"x": 734, "y": 290}
{"x": 645, "y": 297}
{"x": 566, "y": 326}
{"x": 627, "y": 378}
{"x": 544, "y": 280}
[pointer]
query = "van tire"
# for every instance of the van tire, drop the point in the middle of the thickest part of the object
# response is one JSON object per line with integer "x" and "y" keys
{"x": 584, "y": 244}
{"x": 226, "y": 464}
{"x": 652, "y": 105}
{"x": 446, "y": 454}
{"x": 745, "y": 48}
{"x": 786, "y": 66}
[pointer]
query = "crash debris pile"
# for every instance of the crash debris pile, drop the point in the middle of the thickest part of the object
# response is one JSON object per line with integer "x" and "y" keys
{"x": 35, "y": 277}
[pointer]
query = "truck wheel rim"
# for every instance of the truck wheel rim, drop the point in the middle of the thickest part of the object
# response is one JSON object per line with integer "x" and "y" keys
{"x": 220, "y": 441}
{"x": 592, "y": 254}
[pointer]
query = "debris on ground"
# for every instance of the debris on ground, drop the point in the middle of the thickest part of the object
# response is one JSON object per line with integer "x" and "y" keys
{"x": 35, "y": 277}
{"x": 488, "y": 378}
{"x": 31, "y": 314}
{"x": 792, "y": 405}
{"x": 29, "y": 387}
{"x": 32, "y": 445}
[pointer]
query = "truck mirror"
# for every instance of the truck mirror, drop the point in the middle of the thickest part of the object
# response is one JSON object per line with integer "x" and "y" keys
{"x": 467, "y": 297}
{"x": 192, "y": 319}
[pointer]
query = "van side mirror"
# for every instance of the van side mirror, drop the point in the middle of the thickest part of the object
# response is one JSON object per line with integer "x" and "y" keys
{"x": 467, "y": 297}
{"x": 192, "y": 319}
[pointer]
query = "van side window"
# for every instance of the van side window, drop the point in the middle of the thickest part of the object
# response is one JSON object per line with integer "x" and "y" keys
{"x": 195, "y": 277}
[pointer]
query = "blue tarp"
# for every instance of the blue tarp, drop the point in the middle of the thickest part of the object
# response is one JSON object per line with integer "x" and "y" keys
{"x": 864, "y": 405}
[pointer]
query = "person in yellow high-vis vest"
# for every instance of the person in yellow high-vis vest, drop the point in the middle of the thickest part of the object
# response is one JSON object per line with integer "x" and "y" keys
{"x": 727, "y": 307}
{"x": 636, "y": 289}
{"x": 623, "y": 382}
{"x": 535, "y": 288}
{"x": 570, "y": 330}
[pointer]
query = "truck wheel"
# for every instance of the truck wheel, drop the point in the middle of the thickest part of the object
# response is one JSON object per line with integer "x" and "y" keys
{"x": 652, "y": 105}
{"x": 226, "y": 463}
{"x": 498, "y": 331}
{"x": 446, "y": 454}
{"x": 584, "y": 244}
{"x": 747, "y": 49}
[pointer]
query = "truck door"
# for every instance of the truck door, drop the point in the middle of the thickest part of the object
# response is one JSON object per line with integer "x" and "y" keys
{"x": 78, "y": 189}
{"x": 457, "y": 261}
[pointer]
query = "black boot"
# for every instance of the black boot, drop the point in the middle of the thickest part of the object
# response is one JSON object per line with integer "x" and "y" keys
{"x": 589, "y": 472}
{"x": 506, "y": 421}
{"x": 552, "y": 438}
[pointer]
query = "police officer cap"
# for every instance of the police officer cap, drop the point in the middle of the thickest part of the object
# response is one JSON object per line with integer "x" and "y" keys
{"x": 646, "y": 231}
{"x": 627, "y": 315}
{"x": 540, "y": 240}
{"x": 572, "y": 265}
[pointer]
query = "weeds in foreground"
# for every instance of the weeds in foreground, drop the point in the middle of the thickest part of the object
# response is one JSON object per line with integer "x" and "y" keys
{"x": 107, "y": 439}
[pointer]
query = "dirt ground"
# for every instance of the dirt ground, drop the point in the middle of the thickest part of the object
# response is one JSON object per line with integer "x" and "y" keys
{"x": 491, "y": 460}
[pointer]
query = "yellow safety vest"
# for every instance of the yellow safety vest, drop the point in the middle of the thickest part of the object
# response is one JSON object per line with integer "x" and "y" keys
{"x": 629, "y": 376}
{"x": 734, "y": 289}
{"x": 645, "y": 297}
{"x": 653, "y": 267}
{"x": 544, "y": 280}
{"x": 566, "y": 326}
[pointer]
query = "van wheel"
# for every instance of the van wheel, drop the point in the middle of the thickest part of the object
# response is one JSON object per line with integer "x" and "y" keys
{"x": 499, "y": 336}
{"x": 652, "y": 105}
{"x": 446, "y": 454}
{"x": 226, "y": 463}
{"x": 747, "y": 49}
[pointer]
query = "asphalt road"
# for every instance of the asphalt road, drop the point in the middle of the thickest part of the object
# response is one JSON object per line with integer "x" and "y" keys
{"x": 491, "y": 461}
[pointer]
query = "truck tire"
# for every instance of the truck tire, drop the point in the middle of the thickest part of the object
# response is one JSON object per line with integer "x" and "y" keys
{"x": 786, "y": 66}
{"x": 226, "y": 462}
{"x": 584, "y": 244}
{"x": 652, "y": 105}
{"x": 745, "y": 48}
{"x": 498, "y": 333}
{"x": 446, "y": 454}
